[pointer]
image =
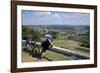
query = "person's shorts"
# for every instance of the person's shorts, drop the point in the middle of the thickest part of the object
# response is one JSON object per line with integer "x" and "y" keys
{"x": 45, "y": 45}
{"x": 44, "y": 49}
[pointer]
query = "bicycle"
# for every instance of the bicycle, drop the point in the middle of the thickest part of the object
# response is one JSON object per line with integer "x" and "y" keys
{"x": 33, "y": 48}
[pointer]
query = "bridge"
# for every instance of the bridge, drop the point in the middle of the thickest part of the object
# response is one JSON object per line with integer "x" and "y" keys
{"x": 74, "y": 54}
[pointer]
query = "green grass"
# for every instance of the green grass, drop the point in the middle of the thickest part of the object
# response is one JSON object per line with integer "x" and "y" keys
{"x": 67, "y": 44}
{"x": 48, "y": 54}
{"x": 57, "y": 57}
{"x": 83, "y": 49}
{"x": 62, "y": 37}
{"x": 28, "y": 58}
{"x": 59, "y": 43}
{"x": 71, "y": 45}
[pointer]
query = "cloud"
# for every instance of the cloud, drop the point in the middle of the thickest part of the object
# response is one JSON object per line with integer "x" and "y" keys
{"x": 42, "y": 13}
{"x": 47, "y": 14}
{"x": 56, "y": 15}
{"x": 50, "y": 17}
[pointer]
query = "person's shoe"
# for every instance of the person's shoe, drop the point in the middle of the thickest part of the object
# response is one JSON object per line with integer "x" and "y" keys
{"x": 40, "y": 57}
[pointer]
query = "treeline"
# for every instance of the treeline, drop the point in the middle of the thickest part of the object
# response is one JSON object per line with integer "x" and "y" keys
{"x": 28, "y": 32}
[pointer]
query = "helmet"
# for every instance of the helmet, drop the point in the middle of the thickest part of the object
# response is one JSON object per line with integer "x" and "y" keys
{"x": 45, "y": 30}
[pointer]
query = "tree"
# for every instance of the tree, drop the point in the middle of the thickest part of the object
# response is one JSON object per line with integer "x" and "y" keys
{"x": 30, "y": 33}
{"x": 54, "y": 34}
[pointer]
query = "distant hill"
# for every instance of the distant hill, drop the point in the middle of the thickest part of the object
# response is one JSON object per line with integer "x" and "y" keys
{"x": 59, "y": 27}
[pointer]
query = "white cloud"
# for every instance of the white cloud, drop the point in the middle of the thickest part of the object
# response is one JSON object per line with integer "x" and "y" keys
{"x": 43, "y": 13}
{"x": 57, "y": 15}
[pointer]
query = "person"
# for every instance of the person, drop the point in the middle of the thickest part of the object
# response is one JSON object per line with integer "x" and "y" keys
{"x": 47, "y": 43}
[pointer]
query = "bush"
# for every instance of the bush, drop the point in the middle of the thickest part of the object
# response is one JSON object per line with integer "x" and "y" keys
{"x": 54, "y": 34}
{"x": 30, "y": 33}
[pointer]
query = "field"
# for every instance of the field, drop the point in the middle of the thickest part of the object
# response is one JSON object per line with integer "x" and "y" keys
{"x": 74, "y": 38}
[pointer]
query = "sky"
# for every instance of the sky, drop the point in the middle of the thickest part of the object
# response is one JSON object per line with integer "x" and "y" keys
{"x": 31, "y": 17}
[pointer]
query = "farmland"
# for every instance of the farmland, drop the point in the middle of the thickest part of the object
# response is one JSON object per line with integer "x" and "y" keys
{"x": 71, "y": 37}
